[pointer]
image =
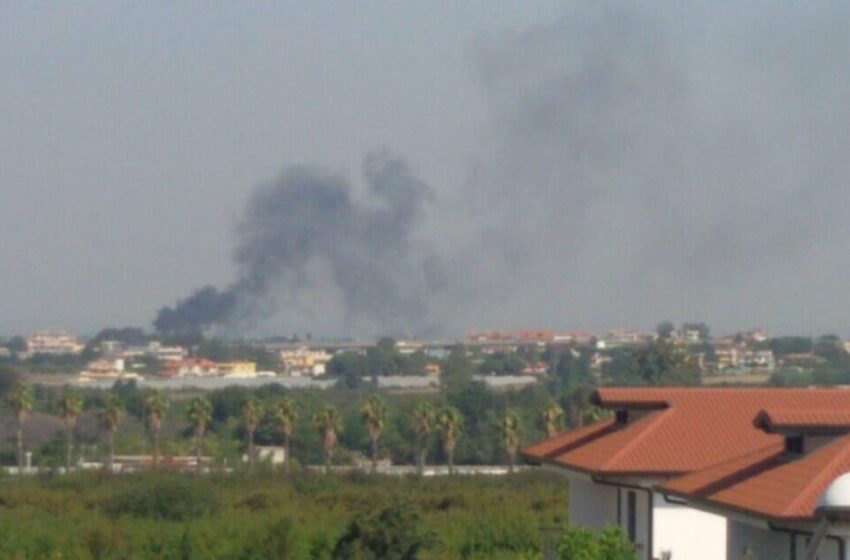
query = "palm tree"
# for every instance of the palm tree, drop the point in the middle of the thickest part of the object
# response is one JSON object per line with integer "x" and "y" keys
{"x": 69, "y": 407}
{"x": 328, "y": 423}
{"x": 110, "y": 418}
{"x": 20, "y": 400}
{"x": 578, "y": 401}
{"x": 449, "y": 422}
{"x": 285, "y": 415}
{"x": 550, "y": 418}
{"x": 251, "y": 415}
{"x": 423, "y": 419}
{"x": 199, "y": 414}
{"x": 509, "y": 426}
{"x": 155, "y": 405}
{"x": 373, "y": 413}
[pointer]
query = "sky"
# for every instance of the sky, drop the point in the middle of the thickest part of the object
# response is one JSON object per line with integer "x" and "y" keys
{"x": 583, "y": 165}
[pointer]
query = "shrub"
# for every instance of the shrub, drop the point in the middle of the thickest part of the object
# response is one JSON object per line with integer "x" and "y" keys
{"x": 395, "y": 533}
{"x": 579, "y": 543}
{"x": 174, "y": 499}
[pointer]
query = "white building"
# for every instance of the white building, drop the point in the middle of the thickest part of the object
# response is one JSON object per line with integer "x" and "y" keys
{"x": 668, "y": 469}
{"x": 152, "y": 349}
{"x": 303, "y": 360}
{"x": 55, "y": 343}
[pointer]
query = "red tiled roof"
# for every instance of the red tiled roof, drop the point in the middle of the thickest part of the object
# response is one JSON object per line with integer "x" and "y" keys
{"x": 773, "y": 420}
{"x": 683, "y": 429}
{"x": 767, "y": 483}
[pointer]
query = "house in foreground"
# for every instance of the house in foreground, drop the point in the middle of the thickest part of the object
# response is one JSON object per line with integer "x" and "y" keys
{"x": 708, "y": 474}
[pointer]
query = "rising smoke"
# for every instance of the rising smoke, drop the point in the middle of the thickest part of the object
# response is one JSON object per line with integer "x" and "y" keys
{"x": 641, "y": 161}
{"x": 306, "y": 247}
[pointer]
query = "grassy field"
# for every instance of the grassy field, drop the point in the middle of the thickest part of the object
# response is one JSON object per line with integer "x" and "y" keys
{"x": 266, "y": 516}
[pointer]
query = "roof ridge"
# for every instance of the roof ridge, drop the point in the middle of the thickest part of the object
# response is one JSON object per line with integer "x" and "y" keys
{"x": 658, "y": 419}
{"x": 824, "y": 472}
{"x": 769, "y": 452}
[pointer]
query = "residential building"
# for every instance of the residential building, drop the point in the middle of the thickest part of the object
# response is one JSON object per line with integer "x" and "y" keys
{"x": 703, "y": 473}
{"x": 537, "y": 369}
{"x": 303, "y": 360}
{"x": 237, "y": 369}
{"x": 770, "y": 496}
{"x": 274, "y": 455}
{"x": 625, "y": 337}
{"x": 55, "y": 343}
{"x": 757, "y": 359}
{"x": 152, "y": 349}
{"x": 755, "y": 335}
{"x": 538, "y": 337}
{"x": 408, "y": 347}
{"x": 577, "y": 337}
{"x": 104, "y": 369}
{"x": 727, "y": 356}
{"x": 191, "y": 367}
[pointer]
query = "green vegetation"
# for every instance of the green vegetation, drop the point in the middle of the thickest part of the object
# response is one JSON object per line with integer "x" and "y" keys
{"x": 159, "y": 515}
{"x": 583, "y": 544}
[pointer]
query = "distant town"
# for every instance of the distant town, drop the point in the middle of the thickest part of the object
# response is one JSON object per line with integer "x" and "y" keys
{"x": 498, "y": 357}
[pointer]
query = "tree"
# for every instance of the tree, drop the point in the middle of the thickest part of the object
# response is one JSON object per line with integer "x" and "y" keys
{"x": 509, "y": 426}
{"x": 573, "y": 368}
{"x": 20, "y": 399}
{"x": 423, "y": 418}
{"x": 199, "y": 414}
{"x": 550, "y": 418}
{"x": 350, "y": 367}
{"x": 457, "y": 370}
{"x": 373, "y": 414}
{"x": 663, "y": 362}
{"x": 329, "y": 425}
{"x": 110, "y": 419}
{"x": 155, "y": 405}
{"x": 577, "y": 402}
{"x": 394, "y": 533}
{"x": 251, "y": 415}
{"x": 285, "y": 415}
{"x": 449, "y": 422}
{"x": 69, "y": 407}
{"x": 9, "y": 375}
{"x": 17, "y": 344}
{"x": 665, "y": 329}
{"x": 784, "y": 345}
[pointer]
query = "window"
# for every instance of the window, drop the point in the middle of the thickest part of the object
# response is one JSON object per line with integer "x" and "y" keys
{"x": 622, "y": 416}
{"x": 631, "y": 515}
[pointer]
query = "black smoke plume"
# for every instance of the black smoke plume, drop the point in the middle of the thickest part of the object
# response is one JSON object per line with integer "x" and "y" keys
{"x": 305, "y": 240}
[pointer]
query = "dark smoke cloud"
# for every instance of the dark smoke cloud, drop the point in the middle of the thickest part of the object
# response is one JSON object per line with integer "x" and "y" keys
{"x": 641, "y": 161}
{"x": 305, "y": 241}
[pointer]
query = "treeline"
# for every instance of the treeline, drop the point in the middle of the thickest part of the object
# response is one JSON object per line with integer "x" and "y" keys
{"x": 464, "y": 423}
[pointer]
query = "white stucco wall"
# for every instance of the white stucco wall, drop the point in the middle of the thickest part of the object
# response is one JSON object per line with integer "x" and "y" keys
{"x": 688, "y": 533}
{"x": 592, "y": 505}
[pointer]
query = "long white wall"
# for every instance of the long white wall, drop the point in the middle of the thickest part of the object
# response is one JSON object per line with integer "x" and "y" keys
{"x": 687, "y": 533}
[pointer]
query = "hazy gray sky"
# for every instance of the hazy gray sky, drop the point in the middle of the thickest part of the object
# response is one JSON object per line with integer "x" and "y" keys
{"x": 593, "y": 164}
